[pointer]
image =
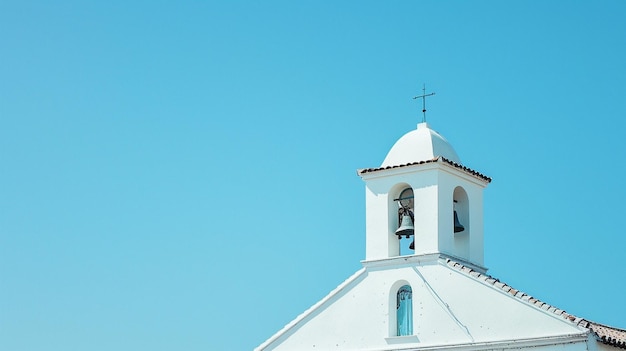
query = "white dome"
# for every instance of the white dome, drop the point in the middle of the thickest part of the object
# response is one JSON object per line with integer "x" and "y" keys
{"x": 421, "y": 144}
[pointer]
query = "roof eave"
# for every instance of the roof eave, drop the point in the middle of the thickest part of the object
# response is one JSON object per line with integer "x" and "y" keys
{"x": 440, "y": 159}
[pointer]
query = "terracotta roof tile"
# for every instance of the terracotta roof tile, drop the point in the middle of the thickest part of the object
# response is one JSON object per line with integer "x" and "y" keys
{"x": 608, "y": 335}
{"x": 438, "y": 159}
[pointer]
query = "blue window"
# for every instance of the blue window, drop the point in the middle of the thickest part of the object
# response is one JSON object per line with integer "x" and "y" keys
{"x": 404, "y": 311}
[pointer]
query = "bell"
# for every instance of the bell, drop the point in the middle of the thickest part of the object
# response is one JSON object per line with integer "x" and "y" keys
{"x": 406, "y": 227}
{"x": 458, "y": 227}
{"x": 412, "y": 246}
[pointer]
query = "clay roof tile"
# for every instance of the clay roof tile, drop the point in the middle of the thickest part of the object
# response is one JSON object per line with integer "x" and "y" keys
{"x": 438, "y": 159}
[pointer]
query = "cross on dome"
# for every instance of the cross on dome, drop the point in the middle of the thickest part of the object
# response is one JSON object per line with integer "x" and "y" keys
{"x": 423, "y": 97}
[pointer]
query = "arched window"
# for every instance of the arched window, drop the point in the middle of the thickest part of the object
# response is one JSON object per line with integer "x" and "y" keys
{"x": 404, "y": 311}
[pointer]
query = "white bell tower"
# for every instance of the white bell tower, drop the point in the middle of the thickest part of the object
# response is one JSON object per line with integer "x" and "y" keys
{"x": 438, "y": 295}
{"x": 446, "y": 207}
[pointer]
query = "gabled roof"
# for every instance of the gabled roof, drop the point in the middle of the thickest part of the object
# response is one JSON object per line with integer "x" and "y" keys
{"x": 327, "y": 324}
{"x": 605, "y": 334}
{"x": 437, "y": 159}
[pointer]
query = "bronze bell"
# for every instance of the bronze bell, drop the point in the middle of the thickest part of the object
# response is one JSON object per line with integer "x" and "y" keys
{"x": 406, "y": 227}
{"x": 458, "y": 227}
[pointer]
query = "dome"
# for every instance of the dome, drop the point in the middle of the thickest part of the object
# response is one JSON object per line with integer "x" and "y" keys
{"x": 421, "y": 144}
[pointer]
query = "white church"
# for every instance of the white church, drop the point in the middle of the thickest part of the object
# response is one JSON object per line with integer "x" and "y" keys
{"x": 437, "y": 295}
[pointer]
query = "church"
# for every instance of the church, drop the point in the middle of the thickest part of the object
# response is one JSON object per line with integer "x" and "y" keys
{"x": 423, "y": 284}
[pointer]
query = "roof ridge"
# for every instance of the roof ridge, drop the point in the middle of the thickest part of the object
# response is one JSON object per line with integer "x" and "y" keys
{"x": 604, "y": 333}
{"x": 606, "y": 326}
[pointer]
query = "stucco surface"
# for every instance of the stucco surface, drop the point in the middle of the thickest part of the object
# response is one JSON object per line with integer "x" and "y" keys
{"x": 420, "y": 144}
{"x": 449, "y": 308}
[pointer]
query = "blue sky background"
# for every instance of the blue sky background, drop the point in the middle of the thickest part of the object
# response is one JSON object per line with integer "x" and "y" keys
{"x": 181, "y": 175}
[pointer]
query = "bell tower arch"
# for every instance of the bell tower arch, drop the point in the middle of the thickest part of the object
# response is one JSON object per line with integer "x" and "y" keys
{"x": 422, "y": 197}
{"x": 401, "y": 208}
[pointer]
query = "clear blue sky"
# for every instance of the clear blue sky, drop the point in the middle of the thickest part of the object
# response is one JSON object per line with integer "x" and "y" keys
{"x": 181, "y": 175}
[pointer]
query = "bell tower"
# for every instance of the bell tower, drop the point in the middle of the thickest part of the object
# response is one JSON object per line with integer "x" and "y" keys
{"x": 422, "y": 201}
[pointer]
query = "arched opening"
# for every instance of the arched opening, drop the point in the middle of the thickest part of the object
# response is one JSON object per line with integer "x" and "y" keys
{"x": 461, "y": 221}
{"x": 404, "y": 311}
{"x": 402, "y": 217}
{"x": 460, "y": 210}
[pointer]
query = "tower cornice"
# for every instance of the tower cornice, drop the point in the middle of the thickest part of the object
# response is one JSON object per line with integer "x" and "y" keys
{"x": 369, "y": 173}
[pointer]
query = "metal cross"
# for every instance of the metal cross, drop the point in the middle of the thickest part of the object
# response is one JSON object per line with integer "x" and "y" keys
{"x": 423, "y": 96}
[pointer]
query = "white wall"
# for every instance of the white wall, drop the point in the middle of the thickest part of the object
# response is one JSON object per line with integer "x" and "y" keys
{"x": 433, "y": 186}
{"x": 450, "y": 308}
